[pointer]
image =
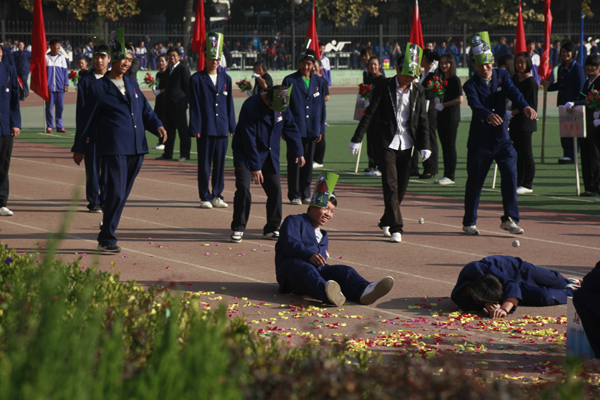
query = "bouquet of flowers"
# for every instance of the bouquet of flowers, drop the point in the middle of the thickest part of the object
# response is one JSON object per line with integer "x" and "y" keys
{"x": 73, "y": 77}
{"x": 149, "y": 80}
{"x": 244, "y": 85}
{"x": 436, "y": 87}
{"x": 364, "y": 91}
{"x": 593, "y": 100}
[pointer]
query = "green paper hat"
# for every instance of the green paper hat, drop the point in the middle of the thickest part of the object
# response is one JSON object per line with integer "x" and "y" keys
{"x": 324, "y": 189}
{"x": 480, "y": 48}
{"x": 412, "y": 60}
{"x": 281, "y": 98}
{"x": 117, "y": 43}
{"x": 214, "y": 46}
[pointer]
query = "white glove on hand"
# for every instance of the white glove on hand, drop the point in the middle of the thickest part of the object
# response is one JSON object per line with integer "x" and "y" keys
{"x": 354, "y": 147}
{"x": 425, "y": 154}
{"x": 597, "y": 115}
{"x": 156, "y": 90}
{"x": 508, "y": 105}
{"x": 596, "y": 122}
{"x": 439, "y": 106}
{"x": 255, "y": 75}
{"x": 569, "y": 105}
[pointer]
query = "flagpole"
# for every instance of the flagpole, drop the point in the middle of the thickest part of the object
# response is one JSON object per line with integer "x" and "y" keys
{"x": 544, "y": 123}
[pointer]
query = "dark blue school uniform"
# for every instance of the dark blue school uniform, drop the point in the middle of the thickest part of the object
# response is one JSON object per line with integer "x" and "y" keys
{"x": 212, "y": 114}
{"x": 531, "y": 285}
{"x": 256, "y": 147}
{"x": 487, "y": 143}
{"x": 94, "y": 193}
{"x": 10, "y": 117}
{"x": 308, "y": 109}
{"x": 586, "y": 300}
{"x": 296, "y": 245}
{"x": 120, "y": 135}
{"x": 23, "y": 66}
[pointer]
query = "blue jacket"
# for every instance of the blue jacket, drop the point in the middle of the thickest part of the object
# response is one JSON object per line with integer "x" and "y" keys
{"x": 10, "y": 111}
{"x": 83, "y": 86}
{"x": 256, "y": 136}
{"x": 485, "y": 101}
{"x": 7, "y": 56}
{"x": 22, "y": 62}
{"x": 297, "y": 240}
{"x": 116, "y": 123}
{"x": 211, "y": 109}
{"x": 308, "y": 107}
{"x": 569, "y": 83}
{"x": 58, "y": 73}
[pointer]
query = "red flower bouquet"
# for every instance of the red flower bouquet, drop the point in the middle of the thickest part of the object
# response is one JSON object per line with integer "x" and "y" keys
{"x": 364, "y": 91}
{"x": 244, "y": 85}
{"x": 149, "y": 80}
{"x": 73, "y": 77}
{"x": 593, "y": 100}
{"x": 437, "y": 87}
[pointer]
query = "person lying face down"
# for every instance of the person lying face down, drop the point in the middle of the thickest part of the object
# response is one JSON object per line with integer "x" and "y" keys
{"x": 498, "y": 284}
{"x": 302, "y": 251}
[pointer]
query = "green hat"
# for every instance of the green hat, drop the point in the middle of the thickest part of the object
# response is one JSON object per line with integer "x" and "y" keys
{"x": 324, "y": 189}
{"x": 279, "y": 97}
{"x": 214, "y": 46}
{"x": 412, "y": 60}
{"x": 117, "y": 43}
{"x": 480, "y": 48}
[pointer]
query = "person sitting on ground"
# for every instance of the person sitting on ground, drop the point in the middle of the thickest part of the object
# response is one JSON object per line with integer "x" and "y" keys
{"x": 586, "y": 301}
{"x": 498, "y": 284}
{"x": 301, "y": 256}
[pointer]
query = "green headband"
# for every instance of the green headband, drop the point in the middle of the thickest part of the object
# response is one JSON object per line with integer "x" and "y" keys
{"x": 214, "y": 46}
{"x": 281, "y": 98}
{"x": 480, "y": 48}
{"x": 117, "y": 43}
{"x": 412, "y": 60}
{"x": 324, "y": 189}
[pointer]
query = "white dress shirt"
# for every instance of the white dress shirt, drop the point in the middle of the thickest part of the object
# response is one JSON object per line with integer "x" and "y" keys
{"x": 403, "y": 139}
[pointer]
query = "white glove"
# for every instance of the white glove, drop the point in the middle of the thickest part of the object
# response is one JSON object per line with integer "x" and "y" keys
{"x": 439, "y": 106}
{"x": 255, "y": 75}
{"x": 508, "y": 104}
{"x": 354, "y": 147}
{"x": 156, "y": 90}
{"x": 597, "y": 115}
{"x": 569, "y": 105}
{"x": 425, "y": 154}
{"x": 596, "y": 122}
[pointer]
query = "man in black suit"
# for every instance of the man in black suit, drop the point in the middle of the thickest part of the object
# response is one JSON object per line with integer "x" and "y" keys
{"x": 176, "y": 105}
{"x": 398, "y": 108}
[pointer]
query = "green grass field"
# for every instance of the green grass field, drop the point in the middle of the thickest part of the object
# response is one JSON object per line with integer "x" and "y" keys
{"x": 554, "y": 184}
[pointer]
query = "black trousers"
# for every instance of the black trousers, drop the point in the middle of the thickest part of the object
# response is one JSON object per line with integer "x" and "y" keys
{"x": 430, "y": 166}
{"x": 320, "y": 151}
{"x": 372, "y": 147}
{"x": 300, "y": 179}
{"x": 586, "y": 303}
{"x": 6, "y": 146}
{"x": 176, "y": 119}
{"x": 525, "y": 162}
{"x": 590, "y": 162}
{"x": 447, "y": 131}
{"x": 395, "y": 172}
{"x": 242, "y": 200}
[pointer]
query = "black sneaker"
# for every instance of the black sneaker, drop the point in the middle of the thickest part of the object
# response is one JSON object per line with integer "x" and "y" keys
{"x": 109, "y": 248}
{"x": 96, "y": 208}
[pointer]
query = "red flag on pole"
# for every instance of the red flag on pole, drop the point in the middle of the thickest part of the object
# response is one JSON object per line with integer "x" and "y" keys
{"x": 39, "y": 77}
{"x": 521, "y": 44}
{"x": 545, "y": 67}
{"x": 416, "y": 33}
{"x": 312, "y": 34}
{"x": 199, "y": 37}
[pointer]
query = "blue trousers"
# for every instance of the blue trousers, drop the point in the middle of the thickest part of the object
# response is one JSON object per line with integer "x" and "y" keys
{"x": 94, "y": 187}
{"x": 542, "y": 287}
{"x": 300, "y": 179}
{"x": 586, "y": 303}
{"x": 119, "y": 172}
{"x": 211, "y": 155}
{"x": 56, "y": 101}
{"x": 143, "y": 62}
{"x": 479, "y": 162}
{"x": 304, "y": 278}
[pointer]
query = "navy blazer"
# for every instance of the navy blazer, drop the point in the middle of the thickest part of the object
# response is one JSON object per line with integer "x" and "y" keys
{"x": 10, "y": 111}
{"x": 307, "y": 106}
{"x": 485, "y": 101}
{"x": 211, "y": 108}
{"x": 115, "y": 122}
{"x": 256, "y": 136}
{"x": 569, "y": 82}
{"x": 22, "y": 62}
{"x": 83, "y": 85}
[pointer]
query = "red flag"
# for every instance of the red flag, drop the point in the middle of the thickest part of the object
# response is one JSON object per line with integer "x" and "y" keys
{"x": 416, "y": 33}
{"x": 312, "y": 34}
{"x": 521, "y": 45}
{"x": 39, "y": 77}
{"x": 199, "y": 37}
{"x": 545, "y": 67}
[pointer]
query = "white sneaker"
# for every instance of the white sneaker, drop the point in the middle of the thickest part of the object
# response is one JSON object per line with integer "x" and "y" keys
{"x": 509, "y": 225}
{"x": 296, "y": 202}
{"x": 376, "y": 290}
{"x": 444, "y": 181}
{"x": 159, "y": 147}
{"x": 396, "y": 237}
{"x": 206, "y": 204}
{"x": 523, "y": 190}
{"x": 471, "y": 230}
{"x": 386, "y": 231}
{"x": 597, "y": 200}
{"x": 218, "y": 202}
{"x": 236, "y": 237}
{"x": 5, "y": 212}
{"x": 317, "y": 165}
{"x": 334, "y": 293}
{"x": 271, "y": 235}
{"x": 373, "y": 172}
{"x": 306, "y": 201}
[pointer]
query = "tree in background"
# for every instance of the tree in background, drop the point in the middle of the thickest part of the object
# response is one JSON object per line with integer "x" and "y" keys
{"x": 108, "y": 9}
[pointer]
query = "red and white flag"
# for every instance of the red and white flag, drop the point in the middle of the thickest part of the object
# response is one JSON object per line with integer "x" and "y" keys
{"x": 39, "y": 77}
{"x": 521, "y": 45}
{"x": 312, "y": 34}
{"x": 545, "y": 66}
{"x": 199, "y": 36}
{"x": 416, "y": 33}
